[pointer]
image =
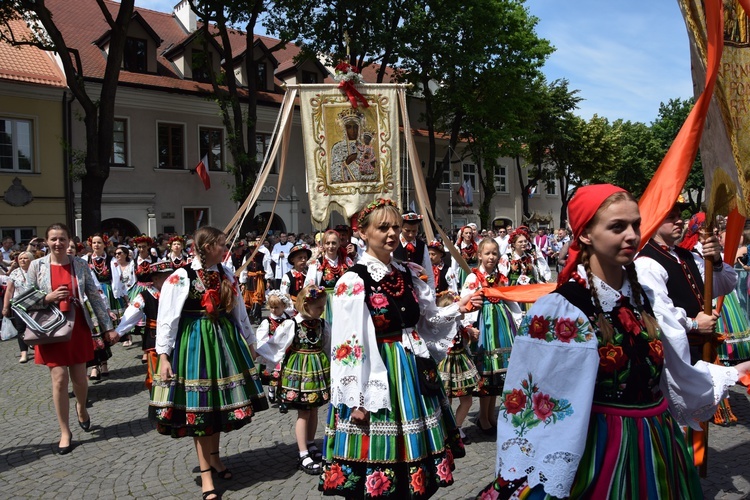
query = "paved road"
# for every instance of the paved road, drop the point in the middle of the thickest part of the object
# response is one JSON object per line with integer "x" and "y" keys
{"x": 124, "y": 457}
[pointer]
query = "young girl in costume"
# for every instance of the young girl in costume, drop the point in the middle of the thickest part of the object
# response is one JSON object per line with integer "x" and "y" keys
{"x": 457, "y": 370}
{"x": 301, "y": 345}
{"x": 206, "y": 381}
{"x": 277, "y": 303}
{"x": 594, "y": 388}
{"x": 145, "y": 308}
{"x": 328, "y": 268}
{"x": 443, "y": 274}
{"x": 142, "y": 262}
{"x": 496, "y": 322}
{"x": 176, "y": 255}
{"x": 385, "y": 437}
{"x": 294, "y": 280}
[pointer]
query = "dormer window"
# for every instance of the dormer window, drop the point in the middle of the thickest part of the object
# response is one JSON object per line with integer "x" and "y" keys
{"x": 200, "y": 63}
{"x": 135, "y": 57}
{"x": 261, "y": 77}
{"x": 309, "y": 77}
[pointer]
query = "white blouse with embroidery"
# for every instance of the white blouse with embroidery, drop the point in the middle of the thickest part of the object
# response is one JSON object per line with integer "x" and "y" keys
{"x": 273, "y": 349}
{"x": 361, "y": 379}
{"x": 174, "y": 293}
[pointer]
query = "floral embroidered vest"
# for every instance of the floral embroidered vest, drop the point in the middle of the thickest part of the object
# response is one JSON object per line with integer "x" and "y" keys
{"x": 518, "y": 267}
{"x": 630, "y": 366}
{"x": 101, "y": 268}
{"x": 392, "y": 302}
{"x": 469, "y": 254}
{"x": 199, "y": 287}
{"x": 331, "y": 274}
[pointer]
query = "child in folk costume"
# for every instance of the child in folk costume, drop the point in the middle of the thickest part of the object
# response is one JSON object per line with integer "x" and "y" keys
{"x": 385, "y": 437}
{"x": 206, "y": 381}
{"x": 252, "y": 279}
{"x": 457, "y": 370}
{"x": 302, "y": 345}
{"x": 444, "y": 275}
{"x": 328, "y": 268}
{"x": 141, "y": 268}
{"x": 176, "y": 255}
{"x": 277, "y": 303}
{"x": 596, "y": 389}
{"x": 294, "y": 280}
{"x": 145, "y": 308}
{"x": 496, "y": 322}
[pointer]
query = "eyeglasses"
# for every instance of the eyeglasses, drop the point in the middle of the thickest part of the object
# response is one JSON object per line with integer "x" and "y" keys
{"x": 119, "y": 253}
{"x": 501, "y": 232}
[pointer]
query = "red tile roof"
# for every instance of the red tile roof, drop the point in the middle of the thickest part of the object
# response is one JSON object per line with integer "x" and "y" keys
{"x": 28, "y": 64}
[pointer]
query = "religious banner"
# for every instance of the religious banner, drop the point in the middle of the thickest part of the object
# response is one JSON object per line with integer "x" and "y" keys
{"x": 351, "y": 153}
{"x": 724, "y": 144}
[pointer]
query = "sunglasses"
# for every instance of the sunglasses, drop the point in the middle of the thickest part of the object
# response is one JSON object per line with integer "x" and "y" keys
{"x": 119, "y": 253}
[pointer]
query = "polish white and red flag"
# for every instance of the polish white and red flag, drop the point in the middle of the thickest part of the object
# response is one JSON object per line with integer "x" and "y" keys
{"x": 202, "y": 170}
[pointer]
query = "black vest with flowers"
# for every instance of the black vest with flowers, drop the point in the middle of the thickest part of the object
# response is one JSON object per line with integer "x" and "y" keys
{"x": 331, "y": 274}
{"x": 392, "y": 302}
{"x": 101, "y": 267}
{"x": 630, "y": 366}
{"x": 198, "y": 287}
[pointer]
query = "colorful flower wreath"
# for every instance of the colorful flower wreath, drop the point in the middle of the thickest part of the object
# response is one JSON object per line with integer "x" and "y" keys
{"x": 437, "y": 246}
{"x": 143, "y": 239}
{"x": 375, "y": 204}
{"x": 314, "y": 293}
{"x": 177, "y": 238}
{"x": 104, "y": 238}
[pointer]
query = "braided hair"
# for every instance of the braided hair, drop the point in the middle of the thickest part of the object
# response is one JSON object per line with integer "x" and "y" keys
{"x": 204, "y": 237}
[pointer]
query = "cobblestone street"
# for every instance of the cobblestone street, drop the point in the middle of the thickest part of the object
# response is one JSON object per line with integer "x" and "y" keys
{"x": 124, "y": 457}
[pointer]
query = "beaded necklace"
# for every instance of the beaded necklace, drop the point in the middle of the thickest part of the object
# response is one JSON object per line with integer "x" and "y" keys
{"x": 211, "y": 279}
{"x": 395, "y": 289}
{"x": 99, "y": 265}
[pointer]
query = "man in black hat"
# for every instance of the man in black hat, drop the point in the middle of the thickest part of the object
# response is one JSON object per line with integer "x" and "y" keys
{"x": 413, "y": 249}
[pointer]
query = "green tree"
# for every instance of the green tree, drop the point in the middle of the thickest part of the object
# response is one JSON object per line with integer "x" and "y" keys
{"x": 98, "y": 110}
{"x": 639, "y": 155}
{"x": 665, "y": 128}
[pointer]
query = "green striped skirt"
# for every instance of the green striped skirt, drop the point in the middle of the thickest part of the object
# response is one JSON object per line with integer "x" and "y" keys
{"x": 406, "y": 452}
{"x": 305, "y": 379}
{"x": 734, "y": 324}
{"x": 215, "y": 387}
{"x": 458, "y": 372}
{"x": 497, "y": 329}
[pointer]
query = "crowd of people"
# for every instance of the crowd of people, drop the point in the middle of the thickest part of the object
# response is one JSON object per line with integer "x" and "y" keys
{"x": 382, "y": 330}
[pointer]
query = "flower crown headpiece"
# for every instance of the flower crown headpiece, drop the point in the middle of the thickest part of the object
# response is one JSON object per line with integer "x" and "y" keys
{"x": 104, "y": 238}
{"x": 315, "y": 293}
{"x": 177, "y": 238}
{"x": 143, "y": 239}
{"x": 377, "y": 203}
{"x": 412, "y": 217}
{"x": 436, "y": 245}
{"x": 282, "y": 296}
{"x": 520, "y": 231}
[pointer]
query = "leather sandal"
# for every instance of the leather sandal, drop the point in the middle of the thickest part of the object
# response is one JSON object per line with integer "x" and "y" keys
{"x": 307, "y": 465}
{"x": 213, "y": 492}
{"x": 225, "y": 474}
{"x": 97, "y": 376}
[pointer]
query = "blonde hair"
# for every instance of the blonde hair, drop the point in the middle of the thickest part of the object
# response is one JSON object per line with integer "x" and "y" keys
{"x": 275, "y": 301}
{"x": 303, "y": 299}
{"x": 485, "y": 242}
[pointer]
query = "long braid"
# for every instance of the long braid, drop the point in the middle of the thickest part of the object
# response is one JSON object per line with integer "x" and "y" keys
{"x": 605, "y": 326}
{"x": 652, "y": 326}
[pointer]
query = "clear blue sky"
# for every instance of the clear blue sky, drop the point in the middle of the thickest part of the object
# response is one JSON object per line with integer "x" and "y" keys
{"x": 625, "y": 57}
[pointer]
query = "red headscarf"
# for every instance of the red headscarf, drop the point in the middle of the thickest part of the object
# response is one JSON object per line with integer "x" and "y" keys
{"x": 694, "y": 226}
{"x": 581, "y": 209}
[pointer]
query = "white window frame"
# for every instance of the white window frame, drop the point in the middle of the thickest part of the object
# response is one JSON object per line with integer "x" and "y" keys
{"x": 261, "y": 154}
{"x": 184, "y": 146}
{"x": 127, "y": 163}
{"x": 500, "y": 178}
{"x": 14, "y": 119}
{"x": 223, "y": 158}
{"x": 551, "y": 188}
{"x": 17, "y": 234}
{"x": 469, "y": 171}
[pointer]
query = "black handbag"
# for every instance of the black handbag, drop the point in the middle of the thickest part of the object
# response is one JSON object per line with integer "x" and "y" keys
{"x": 430, "y": 383}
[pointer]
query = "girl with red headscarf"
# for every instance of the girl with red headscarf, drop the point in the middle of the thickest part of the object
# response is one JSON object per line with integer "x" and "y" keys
{"x": 467, "y": 245}
{"x": 595, "y": 393}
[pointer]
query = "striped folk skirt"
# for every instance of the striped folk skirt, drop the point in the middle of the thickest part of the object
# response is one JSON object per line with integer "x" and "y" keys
{"x": 304, "y": 379}
{"x": 497, "y": 330}
{"x": 215, "y": 387}
{"x": 458, "y": 372}
{"x": 406, "y": 452}
{"x": 734, "y": 324}
{"x": 630, "y": 453}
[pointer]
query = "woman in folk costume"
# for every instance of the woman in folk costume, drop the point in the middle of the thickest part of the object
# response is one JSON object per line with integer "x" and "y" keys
{"x": 328, "y": 268}
{"x": 253, "y": 281}
{"x": 467, "y": 246}
{"x": 496, "y": 322}
{"x": 176, "y": 255}
{"x": 206, "y": 381}
{"x": 302, "y": 346}
{"x": 523, "y": 265}
{"x": 294, "y": 280}
{"x": 732, "y": 321}
{"x": 141, "y": 269}
{"x": 385, "y": 437}
{"x": 100, "y": 264}
{"x": 593, "y": 383}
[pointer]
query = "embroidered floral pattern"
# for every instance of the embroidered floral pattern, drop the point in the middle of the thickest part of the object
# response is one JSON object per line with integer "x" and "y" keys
{"x": 611, "y": 358}
{"x": 378, "y": 482}
{"x": 344, "y": 289}
{"x": 528, "y": 407}
{"x": 563, "y": 329}
{"x": 416, "y": 483}
{"x": 349, "y": 353}
{"x": 176, "y": 280}
{"x": 443, "y": 470}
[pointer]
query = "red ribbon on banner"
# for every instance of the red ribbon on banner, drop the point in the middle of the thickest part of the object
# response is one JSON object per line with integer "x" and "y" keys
{"x": 353, "y": 94}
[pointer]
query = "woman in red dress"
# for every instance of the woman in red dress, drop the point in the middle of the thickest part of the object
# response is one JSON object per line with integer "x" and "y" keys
{"x": 68, "y": 283}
